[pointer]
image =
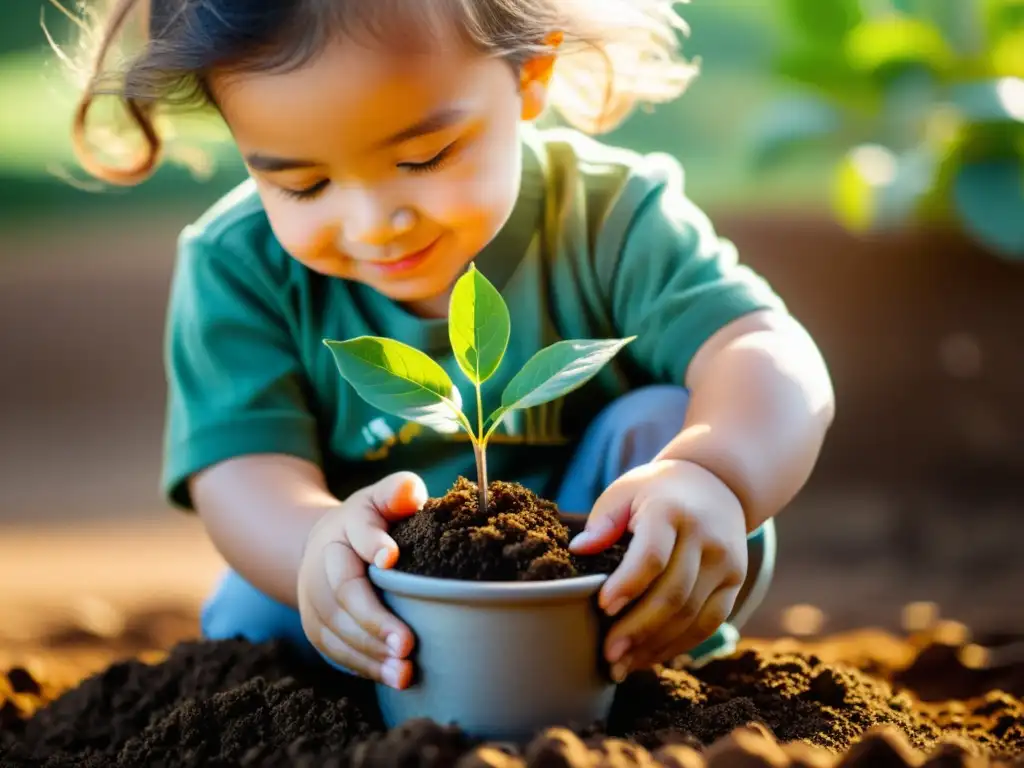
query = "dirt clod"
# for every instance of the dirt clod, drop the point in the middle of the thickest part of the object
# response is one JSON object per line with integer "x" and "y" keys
{"x": 520, "y": 537}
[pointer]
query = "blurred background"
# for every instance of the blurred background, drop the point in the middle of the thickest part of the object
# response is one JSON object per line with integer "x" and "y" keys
{"x": 867, "y": 156}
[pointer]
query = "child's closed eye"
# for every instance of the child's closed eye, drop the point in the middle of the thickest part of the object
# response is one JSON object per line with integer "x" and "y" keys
{"x": 306, "y": 193}
{"x": 435, "y": 163}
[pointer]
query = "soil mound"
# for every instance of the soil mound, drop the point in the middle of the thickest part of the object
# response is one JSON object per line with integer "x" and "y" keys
{"x": 520, "y": 537}
{"x": 234, "y": 703}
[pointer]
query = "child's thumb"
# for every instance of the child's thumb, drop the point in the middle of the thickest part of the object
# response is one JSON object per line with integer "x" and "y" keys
{"x": 398, "y": 495}
{"x": 606, "y": 523}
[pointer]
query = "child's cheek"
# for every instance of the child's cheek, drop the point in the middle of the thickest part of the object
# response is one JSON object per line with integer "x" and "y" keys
{"x": 305, "y": 235}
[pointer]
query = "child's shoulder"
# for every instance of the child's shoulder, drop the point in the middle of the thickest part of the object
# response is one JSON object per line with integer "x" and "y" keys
{"x": 235, "y": 229}
{"x": 592, "y": 177}
{"x": 595, "y": 166}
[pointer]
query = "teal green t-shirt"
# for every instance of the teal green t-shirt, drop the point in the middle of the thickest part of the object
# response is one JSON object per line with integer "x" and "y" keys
{"x": 602, "y": 243}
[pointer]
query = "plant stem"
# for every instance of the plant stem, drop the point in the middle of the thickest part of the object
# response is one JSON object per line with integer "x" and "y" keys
{"x": 480, "y": 445}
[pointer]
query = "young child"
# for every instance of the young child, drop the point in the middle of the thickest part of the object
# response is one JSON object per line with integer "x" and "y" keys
{"x": 389, "y": 145}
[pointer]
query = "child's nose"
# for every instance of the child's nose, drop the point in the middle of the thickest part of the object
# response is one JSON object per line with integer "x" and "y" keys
{"x": 371, "y": 221}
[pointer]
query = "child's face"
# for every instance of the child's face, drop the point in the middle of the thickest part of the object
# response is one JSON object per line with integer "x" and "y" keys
{"x": 391, "y": 169}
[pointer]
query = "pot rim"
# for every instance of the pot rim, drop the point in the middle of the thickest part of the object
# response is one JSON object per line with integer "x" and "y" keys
{"x": 497, "y": 592}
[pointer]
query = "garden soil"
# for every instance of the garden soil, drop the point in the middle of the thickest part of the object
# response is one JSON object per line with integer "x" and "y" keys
{"x": 863, "y": 699}
{"x": 519, "y": 537}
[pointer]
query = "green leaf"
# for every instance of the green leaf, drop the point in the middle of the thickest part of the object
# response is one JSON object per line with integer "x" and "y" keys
{"x": 790, "y": 124}
{"x": 989, "y": 198}
{"x": 400, "y": 380}
{"x": 556, "y": 371}
{"x": 990, "y": 101}
{"x": 829, "y": 73}
{"x": 478, "y": 326}
{"x": 875, "y": 188}
{"x": 1007, "y": 56}
{"x": 887, "y": 45}
{"x": 1003, "y": 17}
{"x": 823, "y": 20}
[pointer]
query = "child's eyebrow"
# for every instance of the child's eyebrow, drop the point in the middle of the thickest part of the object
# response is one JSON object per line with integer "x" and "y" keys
{"x": 431, "y": 124}
{"x": 271, "y": 164}
{"x": 437, "y": 121}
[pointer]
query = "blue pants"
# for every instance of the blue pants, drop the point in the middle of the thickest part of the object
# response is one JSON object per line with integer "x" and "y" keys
{"x": 628, "y": 433}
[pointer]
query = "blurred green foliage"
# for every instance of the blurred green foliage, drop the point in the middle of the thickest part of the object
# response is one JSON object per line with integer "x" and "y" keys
{"x": 918, "y": 103}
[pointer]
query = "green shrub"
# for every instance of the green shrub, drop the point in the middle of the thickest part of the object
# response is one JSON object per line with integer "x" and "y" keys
{"x": 920, "y": 105}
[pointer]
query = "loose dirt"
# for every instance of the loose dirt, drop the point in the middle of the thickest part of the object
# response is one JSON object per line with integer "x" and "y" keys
{"x": 520, "y": 537}
{"x": 867, "y": 699}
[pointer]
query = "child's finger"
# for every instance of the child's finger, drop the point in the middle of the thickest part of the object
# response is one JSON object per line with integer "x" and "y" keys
{"x": 358, "y": 598}
{"x": 396, "y": 496}
{"x": 646, "y": 558}
{"x": 608, "y": 519}
{"x": 679, "y": 637}
{"x": 350, "y": 632}
{"x": 677, "y": 594}
{"x": 395, "y": 673}
{"x": 368, "y": 538}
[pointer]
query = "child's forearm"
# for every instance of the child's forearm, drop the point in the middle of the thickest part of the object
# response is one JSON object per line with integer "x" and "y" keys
{"x": 258, "y": 511}
{"x": 761, "y": 404}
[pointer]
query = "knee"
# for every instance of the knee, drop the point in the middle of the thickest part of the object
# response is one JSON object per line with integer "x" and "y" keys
{"x": 237, "y": 609}
{"x": 654, "y": 414}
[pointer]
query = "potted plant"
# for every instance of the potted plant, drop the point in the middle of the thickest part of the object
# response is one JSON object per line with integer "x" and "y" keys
{"x": 920, "y": 104}
{"x": 516, "y": 646}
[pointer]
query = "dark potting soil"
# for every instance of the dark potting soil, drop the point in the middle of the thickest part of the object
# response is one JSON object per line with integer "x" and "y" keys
{"x": 520, "y": 537}
{"x": 233, "y": 703}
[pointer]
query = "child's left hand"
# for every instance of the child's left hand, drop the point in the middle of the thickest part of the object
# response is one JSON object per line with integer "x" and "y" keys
{"x": 687, "y": 559}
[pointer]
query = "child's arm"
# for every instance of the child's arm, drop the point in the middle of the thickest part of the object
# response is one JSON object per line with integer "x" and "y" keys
{"x": 761, "y": 402}
{"x": 258, "y": 511}
{"x": 273, "y": 520}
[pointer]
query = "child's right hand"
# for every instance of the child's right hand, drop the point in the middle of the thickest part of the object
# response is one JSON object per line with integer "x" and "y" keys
{"x": 341, "y": 614}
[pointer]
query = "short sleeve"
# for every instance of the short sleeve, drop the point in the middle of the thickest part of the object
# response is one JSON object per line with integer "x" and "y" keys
{"x": 666, "y": 275}
{"x": 235, "y": 382}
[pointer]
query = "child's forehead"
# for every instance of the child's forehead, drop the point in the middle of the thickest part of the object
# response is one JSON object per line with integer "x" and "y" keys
{"x": 359, "y": 91}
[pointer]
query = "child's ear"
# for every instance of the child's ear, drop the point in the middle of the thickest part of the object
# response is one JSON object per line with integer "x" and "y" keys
{"x": 535, "y": 77}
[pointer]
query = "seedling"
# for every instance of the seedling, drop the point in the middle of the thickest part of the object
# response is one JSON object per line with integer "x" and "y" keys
{"x": 404, "y": 381}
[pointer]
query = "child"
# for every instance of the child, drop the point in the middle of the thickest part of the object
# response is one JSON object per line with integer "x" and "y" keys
{"x": 389, "y": 146}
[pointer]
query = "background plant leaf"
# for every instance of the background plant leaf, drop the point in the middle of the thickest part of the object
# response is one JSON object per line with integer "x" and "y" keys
{"x": 791, "y": 124}
{"x": 875, "y": 188}
{"x": 1002, "y": 17}
{"x": 826, "y": 72}
{"x": 887, "y": 45}
{"x": 827, "y": 21}
{"x": 990, "y": 101}
{"x": 989, "y": 199}
{"x": 478, "y": 326}
{"x": 556, "y": 371}
{"x": 400, "y": 380}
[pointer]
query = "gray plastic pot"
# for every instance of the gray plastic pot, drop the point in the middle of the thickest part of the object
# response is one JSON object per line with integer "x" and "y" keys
{"x": 502, "y": 660}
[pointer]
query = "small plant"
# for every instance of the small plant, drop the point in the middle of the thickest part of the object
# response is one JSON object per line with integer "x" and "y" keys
{"x": 405, "y": 382}
{"x": 920, "y": 104}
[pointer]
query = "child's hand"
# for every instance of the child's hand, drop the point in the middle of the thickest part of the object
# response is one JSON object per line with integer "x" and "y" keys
{"x": 687, "y": 559}
{"x": 341, "y": 614}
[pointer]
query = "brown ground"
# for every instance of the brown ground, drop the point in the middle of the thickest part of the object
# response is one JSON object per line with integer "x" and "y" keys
{"x": 519, "y": 537}
{"x": 867, "y": 698}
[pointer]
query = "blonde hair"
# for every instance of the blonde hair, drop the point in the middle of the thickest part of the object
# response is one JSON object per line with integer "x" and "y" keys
{"x": 614, "y": 55}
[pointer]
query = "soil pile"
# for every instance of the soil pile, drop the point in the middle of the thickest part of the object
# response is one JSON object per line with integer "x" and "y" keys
{"x": 520, "y": 537}
{"x": 233, "y": 703}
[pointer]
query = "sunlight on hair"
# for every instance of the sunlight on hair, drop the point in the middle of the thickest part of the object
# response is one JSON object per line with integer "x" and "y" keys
{"x": 614, "y": 56}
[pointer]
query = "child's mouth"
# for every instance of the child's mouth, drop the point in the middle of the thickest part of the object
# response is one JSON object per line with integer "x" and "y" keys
{"x": 406, "y": 263}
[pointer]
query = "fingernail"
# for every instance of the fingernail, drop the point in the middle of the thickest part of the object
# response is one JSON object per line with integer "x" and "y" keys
{"x": 394, "y": 642}
{"x": 620, "y": 670}
{"x": 617, "y": 649}
{"x": 381, "y": 558}
{"x": 389, "y": 672}
{"x": 617, "y": 605}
